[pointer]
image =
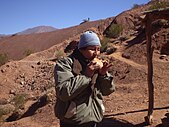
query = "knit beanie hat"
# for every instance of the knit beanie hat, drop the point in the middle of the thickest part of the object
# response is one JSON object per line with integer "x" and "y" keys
{"x": 89, "y": 38}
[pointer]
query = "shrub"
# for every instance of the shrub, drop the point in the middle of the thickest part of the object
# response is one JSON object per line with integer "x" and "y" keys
{"x": 136, "y": 6}
{"x": 1, "y": 112}
{"x": 5, "y": 110}
{"x": 114, "y": 30}
{"x": 85, "y": 20}
{"x": 59, "y": 53}
{"x": 3, "y": 59}
{"x": 158, "y": 5}
{"x": 28, "y": 52}
{"x": 104, "y": 44}
{"x": 19, "y": 101}
{"x": 160, "y": 23}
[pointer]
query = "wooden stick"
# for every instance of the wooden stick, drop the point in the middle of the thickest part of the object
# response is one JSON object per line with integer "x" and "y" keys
{"x": 149, "y": 117}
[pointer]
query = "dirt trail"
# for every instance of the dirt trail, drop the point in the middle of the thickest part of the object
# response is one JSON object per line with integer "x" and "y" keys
{"x": 144, "y": 68}
{"x": 118, "y": 55}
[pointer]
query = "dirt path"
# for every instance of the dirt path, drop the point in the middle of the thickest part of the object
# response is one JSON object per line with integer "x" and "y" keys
{"x": 118, "y": 55}
{"x": 144, "y": 68}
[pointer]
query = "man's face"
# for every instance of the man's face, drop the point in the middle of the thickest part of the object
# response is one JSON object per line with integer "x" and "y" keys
{"x": 90, "y": 52}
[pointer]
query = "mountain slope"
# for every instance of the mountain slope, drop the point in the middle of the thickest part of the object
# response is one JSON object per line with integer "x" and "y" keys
{"x": 15, "y": 46}
{"x": 38, "y": 29}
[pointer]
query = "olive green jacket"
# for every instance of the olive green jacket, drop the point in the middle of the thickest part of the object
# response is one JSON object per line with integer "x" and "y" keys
{"x": 79, "y": 98}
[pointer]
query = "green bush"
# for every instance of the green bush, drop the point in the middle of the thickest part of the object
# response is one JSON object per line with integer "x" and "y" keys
{"x": 136, "y": 6}
{"x": 158, "y": 5}
{"x": 1, "y": 112}
{"x": 4, "y": 110}
{"x": 104, "y": 44}
{"x": 160, "y": 23}
{"x": 3, "y": 59}
{"x": 19, "y": 101}
{"x": 114, "y": 31}
{"x": 59, "y": 53}
{"x": 28, "y": 52}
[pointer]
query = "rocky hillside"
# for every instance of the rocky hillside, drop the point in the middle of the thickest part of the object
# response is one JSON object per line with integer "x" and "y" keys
{"x": 17, "y": 46}
{"x": 38, "y": 29}
{"x": 27, "y": 94}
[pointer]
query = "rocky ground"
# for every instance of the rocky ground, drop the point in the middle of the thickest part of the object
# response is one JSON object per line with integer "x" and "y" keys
{"x": 127, "y": 106}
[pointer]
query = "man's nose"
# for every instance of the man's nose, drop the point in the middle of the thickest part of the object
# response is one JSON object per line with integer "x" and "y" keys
{"x": 96, "y": 52}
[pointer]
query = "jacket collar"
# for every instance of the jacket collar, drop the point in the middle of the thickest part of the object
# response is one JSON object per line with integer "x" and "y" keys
{"x": 78, "y": 55}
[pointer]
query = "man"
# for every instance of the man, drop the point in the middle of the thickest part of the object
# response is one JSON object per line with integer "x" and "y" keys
{"x": 80, "y": 84}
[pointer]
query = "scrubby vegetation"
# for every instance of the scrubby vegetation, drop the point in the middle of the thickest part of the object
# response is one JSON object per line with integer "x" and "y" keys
{"x": 136, "y": 6}
{"x": 104, "y": 43}
{"x": 19, "y": 101}
{"x": 59, "y": 53}
{"x": 114, "y": 30}
{"x": 28, "y": 52}
{"x": 158, "y": 5}
{"x": 3, "y": 59}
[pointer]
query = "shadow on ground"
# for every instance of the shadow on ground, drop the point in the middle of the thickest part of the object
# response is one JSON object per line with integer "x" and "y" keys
{"x": 31, "y": 111}
{"x": 112, "y": 122}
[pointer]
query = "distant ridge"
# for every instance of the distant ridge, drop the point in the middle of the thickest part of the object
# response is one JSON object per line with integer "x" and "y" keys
{"x": 2, "y": 35}
{"x": 38, "y": 29}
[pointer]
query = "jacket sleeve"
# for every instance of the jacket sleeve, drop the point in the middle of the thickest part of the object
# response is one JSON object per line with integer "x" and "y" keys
{"x": 106, "y": 84}
{"x": 68, "y": 85}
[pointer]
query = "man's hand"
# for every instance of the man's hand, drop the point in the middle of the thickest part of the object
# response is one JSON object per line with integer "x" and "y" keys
{"x": 90, "y": 69}
{"x": 105, "y": 68}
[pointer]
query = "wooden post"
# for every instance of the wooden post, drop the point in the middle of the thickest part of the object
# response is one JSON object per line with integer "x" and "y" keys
{"x": 149, "y": 117}
{"x": 148, "y": 19}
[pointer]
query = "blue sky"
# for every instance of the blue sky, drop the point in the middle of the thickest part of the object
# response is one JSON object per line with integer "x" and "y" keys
{"x": 18, "y": 15}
